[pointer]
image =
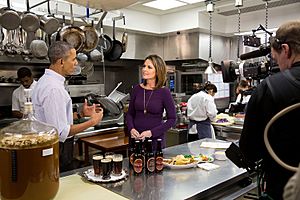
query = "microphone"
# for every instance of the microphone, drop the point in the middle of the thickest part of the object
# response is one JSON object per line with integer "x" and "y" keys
{"x": 262, "y": 51}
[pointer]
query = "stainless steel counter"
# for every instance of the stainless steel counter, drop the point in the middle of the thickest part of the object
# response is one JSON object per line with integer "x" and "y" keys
{"x": 173, "y": 184}
{"x": 232, "y": 132}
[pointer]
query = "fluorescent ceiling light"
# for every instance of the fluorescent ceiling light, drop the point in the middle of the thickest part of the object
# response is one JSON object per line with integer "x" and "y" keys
{"x": 164, "y": 4}
{"x": 192, "y": 1}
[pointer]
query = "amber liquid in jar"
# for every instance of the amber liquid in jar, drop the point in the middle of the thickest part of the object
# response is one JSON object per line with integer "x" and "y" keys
{"x": 29, "y": 167}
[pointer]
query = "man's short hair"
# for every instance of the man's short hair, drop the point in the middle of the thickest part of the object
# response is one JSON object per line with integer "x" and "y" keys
{"x": 23, "y": 72}
{"x": 58, "y": 50}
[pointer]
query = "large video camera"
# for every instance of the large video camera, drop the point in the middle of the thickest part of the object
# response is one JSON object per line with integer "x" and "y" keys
{"x": 253, "y": 70}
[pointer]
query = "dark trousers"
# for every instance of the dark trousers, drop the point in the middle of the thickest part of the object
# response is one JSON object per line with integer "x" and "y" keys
{"x": 203, "y": 128}
{"x": 66, "y": 154}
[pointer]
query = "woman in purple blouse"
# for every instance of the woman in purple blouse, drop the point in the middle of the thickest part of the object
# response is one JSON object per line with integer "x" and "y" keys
{"x": 148, "y": 101}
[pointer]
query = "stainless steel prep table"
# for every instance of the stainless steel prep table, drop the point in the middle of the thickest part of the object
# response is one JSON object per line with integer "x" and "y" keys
{"x": 230, "y": 132}
{"x": 192, "y": 183}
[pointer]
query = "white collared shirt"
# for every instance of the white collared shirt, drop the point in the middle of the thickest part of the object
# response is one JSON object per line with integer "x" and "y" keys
{"x": 18, "y": 97}
{"x": 201, "y": 106}
{"x": 52, "y": 104}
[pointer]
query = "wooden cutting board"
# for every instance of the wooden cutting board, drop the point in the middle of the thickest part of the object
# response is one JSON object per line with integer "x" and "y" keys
{"x": 76, "y": 188}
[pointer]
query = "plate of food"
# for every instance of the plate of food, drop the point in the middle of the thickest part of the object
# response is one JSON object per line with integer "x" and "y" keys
{"x": 204, "y": 158}
{"x": 181, "y": 162}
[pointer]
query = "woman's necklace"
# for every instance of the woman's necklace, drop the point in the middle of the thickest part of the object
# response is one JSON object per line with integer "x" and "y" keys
{"x": 146, "y": 104}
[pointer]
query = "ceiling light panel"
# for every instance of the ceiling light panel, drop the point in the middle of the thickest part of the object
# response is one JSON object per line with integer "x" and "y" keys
{"x": 192, "y": 1}
{"x": 164, "y": 4}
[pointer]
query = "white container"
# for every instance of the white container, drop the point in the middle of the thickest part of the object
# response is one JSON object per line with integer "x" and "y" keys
{"x": 220, "y": 155}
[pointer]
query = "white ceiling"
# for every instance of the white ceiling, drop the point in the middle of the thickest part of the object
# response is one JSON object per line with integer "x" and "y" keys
{"x": 225, "y": 7}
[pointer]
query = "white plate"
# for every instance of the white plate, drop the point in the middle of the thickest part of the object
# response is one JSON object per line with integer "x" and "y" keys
{"x": 89, "y": 174}
{"x": 187, "y": 166}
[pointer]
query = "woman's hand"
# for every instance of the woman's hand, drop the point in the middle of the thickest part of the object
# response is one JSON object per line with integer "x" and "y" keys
{"x": 134, "y": 133}
{"x": 145, "y": 134}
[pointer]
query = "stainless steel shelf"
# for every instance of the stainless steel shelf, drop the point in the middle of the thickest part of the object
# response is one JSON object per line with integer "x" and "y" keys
{"x": 9, "y": 84}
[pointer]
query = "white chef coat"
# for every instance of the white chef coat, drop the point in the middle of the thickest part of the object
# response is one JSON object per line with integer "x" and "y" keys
{"x": 245, "y": 100}
{"x": 201, "y": 106}
{"x": 52, "y": 104}
{"x": 18, "y": 97}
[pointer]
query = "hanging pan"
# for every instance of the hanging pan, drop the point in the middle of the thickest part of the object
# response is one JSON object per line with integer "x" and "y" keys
{"x": 91, "y": 35}
{"x": 49, "y": 24}
{"x": 72, "y": 34}
{"x": 105, "y": 42}
{"x": 117, "y": 47}
{"x": 10, "y": 19}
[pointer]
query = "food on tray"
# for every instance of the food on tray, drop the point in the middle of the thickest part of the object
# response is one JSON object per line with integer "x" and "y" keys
{"x": 223, "y": 119}
{"x": 181, "y": 160}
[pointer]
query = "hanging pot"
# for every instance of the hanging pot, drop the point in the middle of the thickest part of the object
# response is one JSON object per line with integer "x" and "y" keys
{"x": 105, "y": 42}
{"x": 49, "y": 23}
{"x": 39, "y": 49}
{"x": 10, "y": 19}
{"x": 95, "y": 55}
{"x": 124, "y": 42}
{"x": 117, "y": 47}
{"x": 72, "y": 34}
{"x": 29, "y": 21}
{"x": 87, "y": 68}
{"x": 91, "y": 37}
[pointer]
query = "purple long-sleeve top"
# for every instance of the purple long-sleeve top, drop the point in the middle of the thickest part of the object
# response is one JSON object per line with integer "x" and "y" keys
{"x": 159, "y": 101}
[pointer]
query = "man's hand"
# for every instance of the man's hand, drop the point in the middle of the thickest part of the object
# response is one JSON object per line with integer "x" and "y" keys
{"x": 87, "y": 110}
{"x": 134, "y": 133}
{"x": 96, "y": 117}
{"x": 145, "y": 134}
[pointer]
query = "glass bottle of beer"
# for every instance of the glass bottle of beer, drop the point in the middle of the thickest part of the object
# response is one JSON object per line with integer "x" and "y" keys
{"x": 138, "y": 163}
{"x": 159, "y": 157}
{"x": 131, "y": 151}
{"x": 150, "y": 159}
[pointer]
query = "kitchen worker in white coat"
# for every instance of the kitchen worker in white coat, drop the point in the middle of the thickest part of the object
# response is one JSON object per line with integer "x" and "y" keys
{"x": 18, "y": 97}
{"x": 201, "y": 110}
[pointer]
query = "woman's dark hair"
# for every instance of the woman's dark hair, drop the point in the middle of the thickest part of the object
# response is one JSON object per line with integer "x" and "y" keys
{"x": 160, "y": 68}
{"x": 23, "y": 72}
{"x": 209, "y": 86}
{"x": 58, "y": 50}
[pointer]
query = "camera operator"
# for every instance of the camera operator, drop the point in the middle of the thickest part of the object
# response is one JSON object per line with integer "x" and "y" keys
{"x": 275, "y": 93}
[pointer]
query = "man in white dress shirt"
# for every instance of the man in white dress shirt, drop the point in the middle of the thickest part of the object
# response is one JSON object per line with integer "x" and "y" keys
{"x": 53, "y": 104}
{"x": 18, "y": 99}
{"x": 201, "y": 109}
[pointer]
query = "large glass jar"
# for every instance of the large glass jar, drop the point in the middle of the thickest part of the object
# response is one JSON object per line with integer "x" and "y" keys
{"x": 29, "y": 154}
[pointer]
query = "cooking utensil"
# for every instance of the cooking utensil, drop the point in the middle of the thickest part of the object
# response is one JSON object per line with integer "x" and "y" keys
{"x": 124, "y": 38}
{"x": 91, "y": 35}
{"x": 95, "y": 55}
{"x": 87, "y": 68}
{"x": 72, "y": 34}
{"x": 105, "y": 42}
{"x": 117, "y": 47}
{"x": 49, "y": 23}
{"x": 29, "y": 21}
{"x": 39, "y": 49}
{"x": 124, "y": 42}
{"x": 82, "y": 57}
{"x": 10, "y": 19}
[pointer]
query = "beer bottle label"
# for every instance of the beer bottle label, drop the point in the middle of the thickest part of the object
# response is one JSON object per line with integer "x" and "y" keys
{"x": 151, "y": 164}
{"x": 159, "y": 163}
{"x": 131, "y": 158}
{"x": 138, "y": 165}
